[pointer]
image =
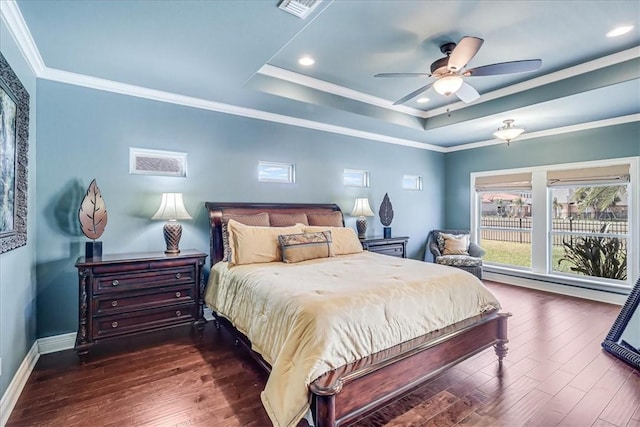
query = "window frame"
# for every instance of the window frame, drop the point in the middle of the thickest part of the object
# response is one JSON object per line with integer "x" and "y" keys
{"x": 542, "y": 226}
{"x": 364, "y": 178}
{"x": 290, "y": 170}
{"x": 416, "y": 180}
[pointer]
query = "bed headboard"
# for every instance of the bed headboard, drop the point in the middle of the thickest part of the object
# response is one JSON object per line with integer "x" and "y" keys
{"x": 216, "y": 210}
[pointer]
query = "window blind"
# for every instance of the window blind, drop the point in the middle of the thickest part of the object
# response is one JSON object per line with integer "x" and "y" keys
{"x": 516, "y": 181}
{"x": 618, "y": 174}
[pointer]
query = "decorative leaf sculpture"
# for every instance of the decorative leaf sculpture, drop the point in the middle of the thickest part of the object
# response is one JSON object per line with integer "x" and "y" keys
{"x": 93, "y": 213}
{"x": 386, "y": 211}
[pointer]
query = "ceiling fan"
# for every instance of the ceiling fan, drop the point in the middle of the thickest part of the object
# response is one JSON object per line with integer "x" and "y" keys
{"x": 450, "y": 71}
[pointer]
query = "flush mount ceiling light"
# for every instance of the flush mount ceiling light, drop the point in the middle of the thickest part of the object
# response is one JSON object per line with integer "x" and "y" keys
{"x": 508, "y": 132}
{"x": 306, "y": 61}
{"x": 448, "y": 85}
{"x": 620, "y": 31}
{"x": 422, "y": 100}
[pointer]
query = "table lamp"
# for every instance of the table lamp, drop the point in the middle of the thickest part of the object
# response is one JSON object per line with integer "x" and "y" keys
{"x": 172, "y": 209}
{"x": 361, "y": 210}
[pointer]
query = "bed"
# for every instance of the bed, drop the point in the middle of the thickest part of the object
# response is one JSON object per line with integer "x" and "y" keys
{"x": 351, "y": 390}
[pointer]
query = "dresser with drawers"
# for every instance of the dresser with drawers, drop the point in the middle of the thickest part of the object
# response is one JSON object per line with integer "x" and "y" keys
{"x": 126, "y": 294}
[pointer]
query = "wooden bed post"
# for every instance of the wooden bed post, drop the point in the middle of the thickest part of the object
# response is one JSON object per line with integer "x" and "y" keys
{"x": 501, "y": 347}
{"x": 325, "y": 410}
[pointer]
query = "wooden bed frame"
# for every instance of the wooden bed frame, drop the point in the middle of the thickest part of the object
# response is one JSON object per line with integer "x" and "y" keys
{"x": 357, "y": 389}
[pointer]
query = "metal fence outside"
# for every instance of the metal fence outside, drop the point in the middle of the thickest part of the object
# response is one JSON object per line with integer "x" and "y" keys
{"x": 510, "y": 229}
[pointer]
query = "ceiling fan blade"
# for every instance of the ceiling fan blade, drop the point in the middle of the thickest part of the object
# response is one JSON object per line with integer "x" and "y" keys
{"x": 506, "y": 68}
{"x": 464, "y": 52}
{"x": 402, "y": 75}
{"x": 467, "y": 93}
{"x": 413, "y": 94}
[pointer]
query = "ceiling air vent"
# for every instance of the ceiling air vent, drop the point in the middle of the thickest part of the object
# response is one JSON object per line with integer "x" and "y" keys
{"x": 299, "y": 8}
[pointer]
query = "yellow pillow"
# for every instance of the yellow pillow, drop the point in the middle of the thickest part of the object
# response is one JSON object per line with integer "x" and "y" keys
{"x": 344, "y": 239}
{"x": 455, "y": 244}
{"x": 251, "y": 244}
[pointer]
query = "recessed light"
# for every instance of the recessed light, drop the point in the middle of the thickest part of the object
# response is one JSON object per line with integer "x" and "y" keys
{"x": 306, "y": 61}
{"x": 422, "y": 100}
{"x": 620, "y": 31}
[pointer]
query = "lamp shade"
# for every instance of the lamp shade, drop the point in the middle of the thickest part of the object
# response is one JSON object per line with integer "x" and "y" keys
{"x": 171, "y": 208}
{"x": 448, "y": 85}
{"x": 362, "y": 208}
{"x": 508, "y": 132}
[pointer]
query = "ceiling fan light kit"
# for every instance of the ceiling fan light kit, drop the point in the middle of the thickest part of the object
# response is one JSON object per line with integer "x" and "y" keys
{"x": 448, "y": 85}
{"x": 508, "y": 132}
{"x": 450, "y": 71}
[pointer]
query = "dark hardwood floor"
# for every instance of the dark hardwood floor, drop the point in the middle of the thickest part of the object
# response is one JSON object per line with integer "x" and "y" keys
{"x": 555, "y": 375}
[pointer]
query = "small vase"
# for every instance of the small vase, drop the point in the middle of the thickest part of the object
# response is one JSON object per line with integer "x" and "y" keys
{"x": 387, "y": 232}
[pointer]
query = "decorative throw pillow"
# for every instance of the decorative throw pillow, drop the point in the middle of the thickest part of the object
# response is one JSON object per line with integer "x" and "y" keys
{"x": 333, "y": 219}
{"x": 455, "y": 244}
{"x": 251, "y": 245}
{"x": 344, "y": 239}
{"x": 287, "y": 219}
{"x": 261, "y": 219}
{"x": 305, "y": 246}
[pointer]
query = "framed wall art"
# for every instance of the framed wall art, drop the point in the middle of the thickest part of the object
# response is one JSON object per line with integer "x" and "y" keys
{"x": 14, "y": 148}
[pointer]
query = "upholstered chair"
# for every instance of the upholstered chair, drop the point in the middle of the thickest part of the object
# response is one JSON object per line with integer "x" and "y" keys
{"x": 470, "y": 261}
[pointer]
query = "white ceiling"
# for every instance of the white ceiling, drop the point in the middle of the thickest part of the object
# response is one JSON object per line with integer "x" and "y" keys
{"x": 240, "y": 57}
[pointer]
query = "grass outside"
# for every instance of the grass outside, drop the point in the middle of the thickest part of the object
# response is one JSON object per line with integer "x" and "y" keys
{"x": 519, "y": 254}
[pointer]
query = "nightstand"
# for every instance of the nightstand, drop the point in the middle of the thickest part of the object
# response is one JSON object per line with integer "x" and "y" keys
{"x": 394, "y": 246}
{"x": 128, "y": 294}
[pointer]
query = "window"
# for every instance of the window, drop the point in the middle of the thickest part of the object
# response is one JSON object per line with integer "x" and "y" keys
{"x": 144, "y": 161}
{"x": 572, "y": 222}
{"x": 505, "y": 206}
{"x": 276, "y": 172}
{"x": 412, "y": 182}
{"x": 589, "y": 221}
{"x": 355, "y": 178}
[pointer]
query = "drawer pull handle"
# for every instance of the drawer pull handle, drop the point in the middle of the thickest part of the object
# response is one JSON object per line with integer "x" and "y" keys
{"x": 114, "y": 325}
{"x": 178, "y": 275}
{"x": 115, "y": 283}
{"x": 178, "y": 294}
{"x": 178, "y": 313}
{"x": 114, "y": 303}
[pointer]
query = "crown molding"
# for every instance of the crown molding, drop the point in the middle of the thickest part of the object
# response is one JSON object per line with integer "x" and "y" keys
{"x": 566, "y": 73}
{"x": 12, "y": 17}
{"x": 324, "y": 86}
{"x": 300, "y": 79}
{"x": 204, "y": 104}
{"x": 550, "y": 132}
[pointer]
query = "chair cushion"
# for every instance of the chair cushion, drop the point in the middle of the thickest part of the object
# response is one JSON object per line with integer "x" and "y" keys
{"x": 459, "y": 261}
{"x": 455, "y": 244}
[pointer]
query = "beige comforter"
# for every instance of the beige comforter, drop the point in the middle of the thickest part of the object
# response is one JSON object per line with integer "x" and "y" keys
{"x": 308, "y": 318}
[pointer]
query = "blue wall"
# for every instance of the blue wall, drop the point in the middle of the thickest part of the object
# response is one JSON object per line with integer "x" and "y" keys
{"x": 595, "y": 144}
{"x": 17, "y": 278}
{"x": 86, "y": 134}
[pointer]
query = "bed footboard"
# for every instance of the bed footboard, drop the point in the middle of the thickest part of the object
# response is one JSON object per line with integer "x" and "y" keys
{"x": 359, "y": 388}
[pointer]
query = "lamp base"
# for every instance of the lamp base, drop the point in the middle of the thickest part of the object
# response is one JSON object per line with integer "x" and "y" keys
{"x": 361, "y": 225}
{"x": 172, "y": 235}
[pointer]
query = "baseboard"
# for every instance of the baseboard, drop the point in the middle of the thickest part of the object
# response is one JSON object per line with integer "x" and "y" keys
{"x": 11, "y": 395}
{"x": 56, "y": 343}
{"x": 571, "y": 291}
